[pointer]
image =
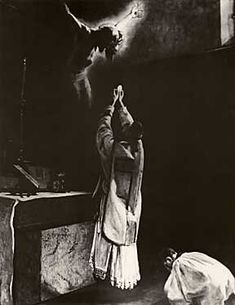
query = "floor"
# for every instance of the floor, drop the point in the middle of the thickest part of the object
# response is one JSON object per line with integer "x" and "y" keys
{"x": 142, "y": 295}
{"x": 148, "y": 292}
{"x": 150, "y": 289}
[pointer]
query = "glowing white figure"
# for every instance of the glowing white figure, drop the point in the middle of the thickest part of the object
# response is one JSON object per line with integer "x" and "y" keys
{"x": 103, "y": 39}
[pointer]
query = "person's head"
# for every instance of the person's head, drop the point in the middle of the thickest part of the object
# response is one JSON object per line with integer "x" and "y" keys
{"x": 168, "y": 256}
{"x": 133, "y": 132}
{"x": 108, "y": 38}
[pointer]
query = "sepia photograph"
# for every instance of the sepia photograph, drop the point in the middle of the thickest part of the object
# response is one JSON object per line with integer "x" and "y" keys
{"x": 117, "y": 152}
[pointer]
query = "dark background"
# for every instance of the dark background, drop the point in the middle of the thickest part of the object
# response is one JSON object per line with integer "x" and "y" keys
{"x": 174, "y": 82}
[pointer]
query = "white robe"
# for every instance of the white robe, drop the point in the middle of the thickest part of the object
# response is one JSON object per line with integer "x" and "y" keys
{"x": 114, "y": 249}
{"x": 196, "y": 277}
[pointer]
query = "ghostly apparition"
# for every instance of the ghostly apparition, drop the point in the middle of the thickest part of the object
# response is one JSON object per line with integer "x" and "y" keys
{"x": 87, "y": 42}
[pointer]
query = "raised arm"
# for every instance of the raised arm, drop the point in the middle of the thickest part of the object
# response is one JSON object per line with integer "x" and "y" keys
{"x": 124, "y": 115}
{"x": 135, "y": 12}
{"x": 76, "y": 21}
{"x": 104, "y": 135}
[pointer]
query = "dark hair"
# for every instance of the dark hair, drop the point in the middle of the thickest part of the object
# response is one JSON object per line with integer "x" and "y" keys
{"x": 106, "y": 32}
{"x": 134, "y": 132}
{"x": 108, "y": 40}
{"x": 166, "y": 252}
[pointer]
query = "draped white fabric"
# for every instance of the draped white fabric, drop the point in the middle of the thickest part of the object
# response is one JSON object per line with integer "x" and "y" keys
{"x": 124, "y": 271}
{"x": 121, "y": 261}
{"x": 198, "y": 277}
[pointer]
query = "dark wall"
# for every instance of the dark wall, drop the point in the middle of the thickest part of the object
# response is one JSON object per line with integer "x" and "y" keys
{"x": 55, "y": 122}
{"x": 186, "y": 104}
{"x": 187, "y": 107}
{"x": 174, "y": 27}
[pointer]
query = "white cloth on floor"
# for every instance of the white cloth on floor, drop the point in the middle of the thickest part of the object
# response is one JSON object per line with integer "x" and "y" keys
{"x": 197, "y": 277}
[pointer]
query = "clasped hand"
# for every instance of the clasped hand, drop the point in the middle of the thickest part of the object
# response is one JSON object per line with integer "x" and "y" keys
{"x": 118, "y": 94}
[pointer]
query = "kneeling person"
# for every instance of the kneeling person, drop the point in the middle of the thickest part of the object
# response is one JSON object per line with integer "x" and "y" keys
{"x": 196, "y": 278}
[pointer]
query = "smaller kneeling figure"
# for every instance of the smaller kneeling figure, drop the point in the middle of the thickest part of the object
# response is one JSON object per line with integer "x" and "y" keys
{"x": 197, "y": 279}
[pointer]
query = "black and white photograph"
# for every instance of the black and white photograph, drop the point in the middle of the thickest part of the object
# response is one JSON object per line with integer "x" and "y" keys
{"x": 117, "y": 152}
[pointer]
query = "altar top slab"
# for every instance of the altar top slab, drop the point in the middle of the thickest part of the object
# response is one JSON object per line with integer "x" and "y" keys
{"x": 41, "y": 195}
{"x": 49, "y": 210}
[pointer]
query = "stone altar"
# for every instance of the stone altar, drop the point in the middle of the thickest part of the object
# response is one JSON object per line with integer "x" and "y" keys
{"x": 45, "y": 242}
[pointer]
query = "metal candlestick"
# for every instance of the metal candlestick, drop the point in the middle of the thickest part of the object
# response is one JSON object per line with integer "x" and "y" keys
{"x": 22, "y": 109}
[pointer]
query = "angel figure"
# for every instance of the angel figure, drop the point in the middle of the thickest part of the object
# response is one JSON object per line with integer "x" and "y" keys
{"x": 87, "y": 41}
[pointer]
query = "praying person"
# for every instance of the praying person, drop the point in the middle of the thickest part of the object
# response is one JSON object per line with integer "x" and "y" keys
{"x": 114, "y": 250}
{"x": 196, "y": 279}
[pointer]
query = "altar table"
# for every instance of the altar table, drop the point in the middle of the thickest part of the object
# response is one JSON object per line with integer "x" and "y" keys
{"x": 45, "y": 241}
